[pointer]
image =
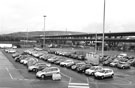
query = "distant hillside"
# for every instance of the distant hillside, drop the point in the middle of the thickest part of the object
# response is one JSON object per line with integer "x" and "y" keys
{"x": 37, "y": 33}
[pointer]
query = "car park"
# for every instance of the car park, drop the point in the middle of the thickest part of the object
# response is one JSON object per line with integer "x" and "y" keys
{"x": 92, "y": 70}
{"x": 47, "y": 72}
{"x": 104, "y": 73}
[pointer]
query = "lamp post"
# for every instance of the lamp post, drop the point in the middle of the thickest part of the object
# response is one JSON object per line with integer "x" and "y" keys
{"x": 96, "y": 43}
{"x": 44, "y": 33}
{"x": 103, "y": 29}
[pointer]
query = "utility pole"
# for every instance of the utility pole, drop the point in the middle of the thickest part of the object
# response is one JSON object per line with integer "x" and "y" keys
{"x": 27, "y": 36}
{"x": 103, "y": 29}
{"x": 96, "y": 43}
{"x": 44, "y": 33}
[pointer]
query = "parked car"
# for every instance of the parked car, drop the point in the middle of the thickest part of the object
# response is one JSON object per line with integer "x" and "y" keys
{"x": 38, "y": 54}
{"x": 66, "y": 62}
{"x": 25, "y": 61}
{"x": 11, "y": 51}
{"x": 21, "y": 57}
{"x": 107, "y": 62}
{"x": 114, "y": 63}
{"x": 51, "y": 59}
{"x": 123, "y": 65}
{"x": 77, "y": 65}
{"x": 54, "y": 60}
{"x": 82, "y": 68}
{"x": 81, "y": 57}
{"x": 47, "y": 57}
{"x": 38, "y": 67}
{"x": 74, "y": 56}
{"x": 47, "y": 72}
{"x": 92, "y": 70}
{"x": 15, "y": 54}
{"x": 105, "y": 73}
{"x": 59, "y": 61}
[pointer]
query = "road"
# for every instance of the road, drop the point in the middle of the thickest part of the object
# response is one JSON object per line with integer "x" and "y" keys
{"x": 15, "y": 74}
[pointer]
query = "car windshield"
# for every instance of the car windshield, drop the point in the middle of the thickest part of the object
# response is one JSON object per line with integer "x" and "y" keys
{"x": 102, "y": 71}
{"x": 40, "y": 64}
{"x": 68, "y": 61}
{"x": 92, "y": 68}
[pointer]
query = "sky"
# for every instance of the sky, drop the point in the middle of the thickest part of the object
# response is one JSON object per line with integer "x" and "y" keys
{"x": 71, "y": 15}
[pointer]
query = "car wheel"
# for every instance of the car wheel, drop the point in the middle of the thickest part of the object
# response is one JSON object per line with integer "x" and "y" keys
{"x": 34, "y": 70}
{"x": 102, "y": 77}
{"x": 42, "y": 76}
{"x": 92, "y": 73}
{"x": 112, "y": 75}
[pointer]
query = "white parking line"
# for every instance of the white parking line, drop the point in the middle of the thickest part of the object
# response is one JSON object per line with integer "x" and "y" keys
{"x": 65, "y": 75}
{"x": 78, "y": 85}
{"x": 9, "y": 73}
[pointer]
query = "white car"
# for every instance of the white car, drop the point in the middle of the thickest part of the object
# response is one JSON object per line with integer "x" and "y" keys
{"x": 25, "y": 61}
{"x": 92, "y": 70}
{"x": 105, "y": 73}
{"x": 37, "y": 54}
{"x": 122, "y": 55}
{"x": 66, "y": 62}
{"x": 38, "y": 66}
{"x": 47, "y": 72}
{"x": 11, "y": 51}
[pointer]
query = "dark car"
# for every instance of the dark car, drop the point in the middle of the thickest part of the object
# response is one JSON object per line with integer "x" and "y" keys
{"x": 69, "y": 65}
{"x": 20, "y": 57}
{"x": 15, "y": 54}
{"x": 82, "y": 68}
{"x": 74, "y": 67}
{"x": 45, "y": 58}
{"x": 107, "y": 62}
{"x": 132, "y": 62}
{"x": 51, "y": 52}
{"x": 81, "y": 57}
{"x": 59, "y": 61}
{"x": 74, "y": 56}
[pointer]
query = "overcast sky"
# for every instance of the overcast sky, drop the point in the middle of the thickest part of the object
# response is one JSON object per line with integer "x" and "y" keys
{"x": 73, "y": 15}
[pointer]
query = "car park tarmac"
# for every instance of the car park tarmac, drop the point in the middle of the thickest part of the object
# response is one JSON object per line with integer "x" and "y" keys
{"x": 70, "y": 79}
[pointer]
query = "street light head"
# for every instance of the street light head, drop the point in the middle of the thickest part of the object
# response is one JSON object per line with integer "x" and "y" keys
{"x": 44, "y": 16}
